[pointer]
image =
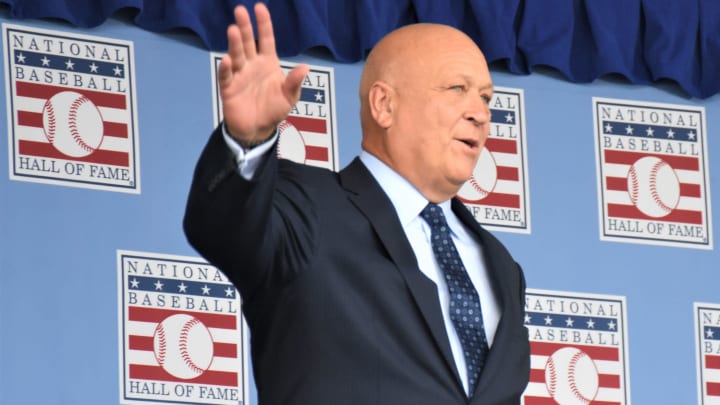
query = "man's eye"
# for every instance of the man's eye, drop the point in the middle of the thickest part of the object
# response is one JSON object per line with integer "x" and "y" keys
{"x": 487, "y": 98}
{"x": 458, "y": 87}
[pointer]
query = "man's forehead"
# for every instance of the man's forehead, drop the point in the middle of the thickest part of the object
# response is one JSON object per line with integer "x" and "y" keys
{"x": 474, "y": 74}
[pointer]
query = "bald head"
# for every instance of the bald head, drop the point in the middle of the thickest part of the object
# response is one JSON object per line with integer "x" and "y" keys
{"x": 403, "y": 55}
{"x": 407, "y": 49}
{"x": 425, "y": 86}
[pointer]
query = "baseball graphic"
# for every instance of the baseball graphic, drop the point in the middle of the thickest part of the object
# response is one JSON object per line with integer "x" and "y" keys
{"x": 571, "y": 377}
{"x": 291, "y": 145}
{"x": 653, "y": 186}
{"x": 72, "y": 124}
{"x": 183, "y": 346}
{"x": 483, "y": 180}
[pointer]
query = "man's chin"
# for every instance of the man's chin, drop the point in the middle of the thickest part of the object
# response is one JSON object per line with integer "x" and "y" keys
{"x": 458, "y": 183}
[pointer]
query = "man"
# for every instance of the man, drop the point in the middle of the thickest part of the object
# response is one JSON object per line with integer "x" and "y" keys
{"x": 345, "y": 299}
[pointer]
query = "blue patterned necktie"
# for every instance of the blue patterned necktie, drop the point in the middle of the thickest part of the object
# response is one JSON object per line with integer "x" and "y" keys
{"x": 465, "y": 311}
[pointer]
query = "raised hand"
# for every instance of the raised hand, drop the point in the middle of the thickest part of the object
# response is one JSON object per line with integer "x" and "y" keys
{"x": 256, "y": 95}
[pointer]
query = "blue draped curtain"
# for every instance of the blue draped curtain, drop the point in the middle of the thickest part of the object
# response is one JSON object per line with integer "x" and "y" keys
{"x": 643, "y": 40}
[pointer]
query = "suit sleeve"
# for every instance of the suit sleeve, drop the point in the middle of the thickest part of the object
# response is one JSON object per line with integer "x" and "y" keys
{"x": 253, "y": 230}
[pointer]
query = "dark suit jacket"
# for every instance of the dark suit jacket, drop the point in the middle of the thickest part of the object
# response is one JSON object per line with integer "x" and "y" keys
{"x": 339, "y": 313}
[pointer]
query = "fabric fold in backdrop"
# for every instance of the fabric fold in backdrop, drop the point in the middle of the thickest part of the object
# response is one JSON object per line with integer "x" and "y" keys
{"x": 645, "y": 41}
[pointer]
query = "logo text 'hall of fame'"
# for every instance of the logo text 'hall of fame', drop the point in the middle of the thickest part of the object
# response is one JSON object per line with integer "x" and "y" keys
{"x": 182, "y": 336}
{"x": 707, "y": 338}
{"x": 309, "y": 134}
{"x": 71, "y": 109}
{"x": 578, "y": 348}
{"x": 497, "y": 193}
{"x": 652, "y": 173}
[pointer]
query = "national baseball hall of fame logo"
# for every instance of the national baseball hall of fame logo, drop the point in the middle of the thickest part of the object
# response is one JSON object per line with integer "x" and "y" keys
{"x": 497, "y": 193}
{"x": 707, "y": 336}
{"x": 71, "y": 109}
{"x": 578, "y": 349}
{"x": 309, "y": 134}
{"x": 653, "y": 174}
{"x": 182, "y": 339}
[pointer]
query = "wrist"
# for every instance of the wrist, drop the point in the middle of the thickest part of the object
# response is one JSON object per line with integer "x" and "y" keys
{"x": 248, "y": 144}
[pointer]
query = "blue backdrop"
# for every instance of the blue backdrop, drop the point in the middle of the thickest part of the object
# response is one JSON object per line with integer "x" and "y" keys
{"x": 58, "y": 256}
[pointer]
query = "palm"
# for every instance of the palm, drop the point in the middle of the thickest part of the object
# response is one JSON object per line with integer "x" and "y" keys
{"x": 255, "y": 92}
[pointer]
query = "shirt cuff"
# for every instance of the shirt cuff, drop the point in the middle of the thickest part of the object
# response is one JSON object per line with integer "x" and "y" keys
{"x": 248, "y": 160}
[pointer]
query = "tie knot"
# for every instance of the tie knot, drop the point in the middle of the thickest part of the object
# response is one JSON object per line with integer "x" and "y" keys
{"x": 434, "y": 216}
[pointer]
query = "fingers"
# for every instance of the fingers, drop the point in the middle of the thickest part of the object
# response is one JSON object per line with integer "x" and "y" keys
{"x": 293, "y": 82}
{"x": 266, "y": 37}
{"x": 241, "y": 39}
{"x": 225, "y": 72}
{"x": 236, "y": 49}
{"x": 246, "y": 32}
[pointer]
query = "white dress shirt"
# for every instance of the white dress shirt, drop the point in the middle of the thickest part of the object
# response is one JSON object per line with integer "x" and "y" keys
{"x": 408, "y": 203}
{"x": 248, "y": 160}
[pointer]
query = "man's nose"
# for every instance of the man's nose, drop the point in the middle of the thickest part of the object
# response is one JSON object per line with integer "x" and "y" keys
{"x": 478, "y": 112}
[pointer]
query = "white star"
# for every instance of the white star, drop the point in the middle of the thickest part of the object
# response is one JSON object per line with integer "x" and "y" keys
{"x": 94, "y": 68}
{"x": 569, "y": 322}
{"x": 548, "y": 320}
{"x": 20, "y": 58}
{"x": 206, "y": 290}
{"x": 318, "y": 96}
{"x": 229, "y": 292}
{"x": 134, "y": 283}
{"x": 650, "y": 131}
{"x": 591, "y": 324}
{"x": 509, "y": 118}
{"x": 671, "y": 133}
{"x": 182, "y": 287}
{"x": 527, "y": 318}
{"x": 691, "y": 135}
{"x": 117, "y": 71}
{"x": 158, "y": 285}
{"x": 611, "y": 325}
{"x": 45, "y": 61}
{"x": 709, "y": 333}
{"x": 69, "y": 65}
{"x": 629, "y": 130}
{"x": 608, "y": 129}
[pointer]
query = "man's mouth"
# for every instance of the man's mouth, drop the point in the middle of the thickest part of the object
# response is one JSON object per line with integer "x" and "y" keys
{"x": 472, "y": 143}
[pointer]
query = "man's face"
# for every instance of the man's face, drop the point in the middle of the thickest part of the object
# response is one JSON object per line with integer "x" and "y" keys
{"x": 442, "y": 117}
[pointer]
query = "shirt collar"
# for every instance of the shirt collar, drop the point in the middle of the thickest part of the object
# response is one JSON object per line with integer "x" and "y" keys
{"x": 406, "y": 199}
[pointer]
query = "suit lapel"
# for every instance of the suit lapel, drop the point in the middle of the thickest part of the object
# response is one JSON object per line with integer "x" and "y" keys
{"x": 368, "y": 197}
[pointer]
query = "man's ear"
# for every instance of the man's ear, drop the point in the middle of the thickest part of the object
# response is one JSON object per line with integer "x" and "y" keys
{"x": 381, "y": 100}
